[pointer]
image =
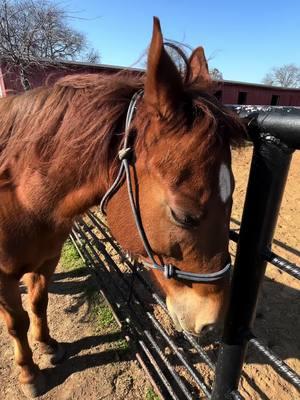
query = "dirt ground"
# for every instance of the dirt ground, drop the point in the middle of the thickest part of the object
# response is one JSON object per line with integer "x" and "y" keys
{"x": 98, "y": 368}
{"x": 99, "y": 365}
{"x": 277, "y": 323}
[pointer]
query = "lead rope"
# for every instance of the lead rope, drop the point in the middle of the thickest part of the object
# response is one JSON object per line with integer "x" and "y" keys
{"x": 169, "y": 270}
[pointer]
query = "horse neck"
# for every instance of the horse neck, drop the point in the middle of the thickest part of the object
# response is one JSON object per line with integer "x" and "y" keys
{"x": 60, "y": 195}
{"x": 79, "y": 198}
{"x": 84, "y": 193}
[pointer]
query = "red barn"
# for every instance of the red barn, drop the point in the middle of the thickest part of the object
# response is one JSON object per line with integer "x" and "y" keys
{"x": 230, "y": 92}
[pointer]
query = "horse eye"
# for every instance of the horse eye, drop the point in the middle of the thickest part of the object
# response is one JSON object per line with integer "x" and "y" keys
{"x": 185, "y": 220}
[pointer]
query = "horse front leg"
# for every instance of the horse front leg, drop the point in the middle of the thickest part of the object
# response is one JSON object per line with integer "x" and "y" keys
{"x": 17, "y": 322}
{"x": 38, "y": 284}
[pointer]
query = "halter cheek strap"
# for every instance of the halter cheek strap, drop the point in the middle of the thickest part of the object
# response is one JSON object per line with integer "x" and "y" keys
{"x": 169, "y": 270}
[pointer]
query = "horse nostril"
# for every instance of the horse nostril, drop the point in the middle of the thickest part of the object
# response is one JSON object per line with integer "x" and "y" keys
{"x": 207, "y": 329}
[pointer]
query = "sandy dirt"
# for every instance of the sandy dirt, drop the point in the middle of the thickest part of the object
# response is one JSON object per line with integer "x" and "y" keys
{"x": 97, "y": 369}
{"x": 277, "y": 323}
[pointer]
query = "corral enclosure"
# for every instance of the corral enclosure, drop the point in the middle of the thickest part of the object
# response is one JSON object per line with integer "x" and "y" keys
{"x": 105, "y": 306}
{"x": 276, "y": 324}
{"x": 276, "y": 319}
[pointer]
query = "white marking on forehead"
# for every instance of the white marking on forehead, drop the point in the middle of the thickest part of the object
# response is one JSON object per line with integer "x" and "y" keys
{"x": 224, "y": 183}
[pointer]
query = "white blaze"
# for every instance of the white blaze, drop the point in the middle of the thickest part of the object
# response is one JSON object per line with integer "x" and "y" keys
{"x": 224, "y": 183}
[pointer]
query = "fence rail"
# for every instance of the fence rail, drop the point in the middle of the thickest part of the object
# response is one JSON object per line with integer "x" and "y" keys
{"x": 273, "y": 258}
{"x": 130, "y": 307}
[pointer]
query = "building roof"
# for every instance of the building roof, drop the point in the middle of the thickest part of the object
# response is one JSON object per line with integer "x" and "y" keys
{"x": 141, "y": 70}
{"x": 119, "y": 67}
{"x": 260, "y": 85}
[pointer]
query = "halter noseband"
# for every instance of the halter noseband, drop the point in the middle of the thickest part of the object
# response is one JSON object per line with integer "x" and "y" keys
{"x": 169, "y": 270}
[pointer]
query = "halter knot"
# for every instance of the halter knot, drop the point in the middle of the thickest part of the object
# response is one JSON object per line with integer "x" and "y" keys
{"x": 124, "y": 153}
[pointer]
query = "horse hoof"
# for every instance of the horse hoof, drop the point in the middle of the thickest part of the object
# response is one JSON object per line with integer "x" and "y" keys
{"x": 35, "y": 388}
{"x": 55, "y": 350}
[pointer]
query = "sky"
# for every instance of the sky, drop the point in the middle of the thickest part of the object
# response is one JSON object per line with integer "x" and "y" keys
{"x": 243, "y": 39}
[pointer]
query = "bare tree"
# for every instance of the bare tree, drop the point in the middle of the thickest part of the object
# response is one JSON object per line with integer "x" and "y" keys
{"x": 216, "y": 74}
{"x": 287, "y": 76}
{"x": 179, "y": 52}
{"x": 92, "y": 56}
{"x": 34, "y": 32}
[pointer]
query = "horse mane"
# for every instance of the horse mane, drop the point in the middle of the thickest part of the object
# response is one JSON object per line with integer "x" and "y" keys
{"x": 80, "y": 118}
{"x": 75, "y": 120}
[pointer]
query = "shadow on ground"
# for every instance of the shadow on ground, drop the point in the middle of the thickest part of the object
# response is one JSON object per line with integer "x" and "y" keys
{"x": 74, "y": 362}
{"x": 276, "y": 327}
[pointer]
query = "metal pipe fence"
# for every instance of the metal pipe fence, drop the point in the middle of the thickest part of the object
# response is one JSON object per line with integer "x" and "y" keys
{"x": 275, "y": 132}
{"x": 133, "y": 311}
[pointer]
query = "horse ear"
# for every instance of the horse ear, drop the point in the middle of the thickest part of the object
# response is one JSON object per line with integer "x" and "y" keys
{"x": 199, "y": 67}
{"x": 163, "y": 85}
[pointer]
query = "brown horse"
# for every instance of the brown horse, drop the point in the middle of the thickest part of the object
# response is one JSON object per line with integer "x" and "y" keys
{"x": 58, "y": 157}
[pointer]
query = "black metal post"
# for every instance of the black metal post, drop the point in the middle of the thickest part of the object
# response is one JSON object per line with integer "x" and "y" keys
{"x": 268, "y": 173}
{"x": 282, "y": 122}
